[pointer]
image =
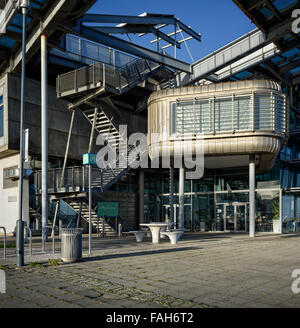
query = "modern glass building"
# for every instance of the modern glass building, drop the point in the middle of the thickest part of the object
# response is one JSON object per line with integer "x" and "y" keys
{"x": 232, "y": 121}
{"x": 238, "y": 105}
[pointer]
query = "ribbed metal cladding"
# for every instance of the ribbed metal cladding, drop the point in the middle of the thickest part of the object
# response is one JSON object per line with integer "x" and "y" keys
{"x": 71, "y": 245}
{"x": 233, "y": 119}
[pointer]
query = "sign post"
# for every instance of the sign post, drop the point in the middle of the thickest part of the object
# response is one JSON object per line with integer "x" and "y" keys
{"x": 90, "y": 160}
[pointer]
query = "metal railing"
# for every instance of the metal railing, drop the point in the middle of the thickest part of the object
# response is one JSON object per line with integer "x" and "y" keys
{"x": 44, "y": 242}
{"x": 246, "y": 51}
{"x": 100, "y": 74}
{"x": 4, "y": 242}
{"x": 76, "y": 179}
{"x": 81, "y": 48}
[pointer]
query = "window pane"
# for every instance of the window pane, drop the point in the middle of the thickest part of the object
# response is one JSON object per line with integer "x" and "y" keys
{"x": 242, "y": 113}
{"x": 223, "y": 114}
{"x": 262, "y": 109}
{"x": 203, "y": 112}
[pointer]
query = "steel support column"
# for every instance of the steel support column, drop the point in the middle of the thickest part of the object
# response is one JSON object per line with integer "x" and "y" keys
{"x": 171, "y": 194}
{"x": 90, "y": 180}
{"x": 141, "y": 196}
{"x": 44, "y": 137}
{"x": 67, "y": 150}
{"x": 20, "y": 223}
{"x": 181, "y": 199}
{"x": 252, "y": 196}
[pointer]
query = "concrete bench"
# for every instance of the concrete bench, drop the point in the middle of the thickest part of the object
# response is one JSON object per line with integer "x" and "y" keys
{"x": 139, "y": 235}
{"x": 174, "y": 236}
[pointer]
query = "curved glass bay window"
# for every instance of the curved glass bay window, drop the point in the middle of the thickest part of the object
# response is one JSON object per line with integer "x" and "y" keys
{"x": 231, "y": 120}
{"x": 235, "y": 113}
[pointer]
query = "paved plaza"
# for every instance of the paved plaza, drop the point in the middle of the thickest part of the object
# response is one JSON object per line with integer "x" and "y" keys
{"x": 203, "y": 270}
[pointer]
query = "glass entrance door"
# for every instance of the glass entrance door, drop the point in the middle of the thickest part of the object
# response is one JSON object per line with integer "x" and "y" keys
{"x": 242, "y": 217}
{"x": 235, "y": 216}
{"x": 166, "y": 213}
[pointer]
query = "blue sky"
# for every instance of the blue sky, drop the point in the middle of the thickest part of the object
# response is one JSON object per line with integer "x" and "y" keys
{"x": 219, "y": 21}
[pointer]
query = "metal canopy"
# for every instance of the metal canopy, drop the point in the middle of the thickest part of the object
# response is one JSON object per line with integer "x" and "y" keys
{"x": 272, "y": 51}
{"x": 45, "y": 15}
{"x": 274, "y": 18}
{"x": 143, "y": 24}
{"x": 128, "y": 47}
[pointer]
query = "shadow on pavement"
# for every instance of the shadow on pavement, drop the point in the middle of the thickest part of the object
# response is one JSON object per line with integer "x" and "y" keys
{"x": 141, "y": 253}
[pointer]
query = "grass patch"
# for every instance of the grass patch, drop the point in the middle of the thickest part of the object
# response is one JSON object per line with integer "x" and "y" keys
{"x": 35, "y": 264}
{"x": 53, "y": 262}
{"x": 8, "y": 246}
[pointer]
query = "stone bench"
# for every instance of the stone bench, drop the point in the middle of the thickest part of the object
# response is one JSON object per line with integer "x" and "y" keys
{"x": 139, "y": 235}
{"x": 174, "y": 236}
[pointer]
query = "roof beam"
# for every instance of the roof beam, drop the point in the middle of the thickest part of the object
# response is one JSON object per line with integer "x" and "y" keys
{"x": 165, "y": 37}
{"x": 274, "y": 9}
{"x": 289, "y": 66}
{"x": 188, "y": 30}
{"x": 122, "y": 45}
{"x": 150, "y": 20}
{"x": 34, "y": 36}
{"x": 135, "y": 29}
{"x": 142, "y": 20}
{"x": 273, "y": 69}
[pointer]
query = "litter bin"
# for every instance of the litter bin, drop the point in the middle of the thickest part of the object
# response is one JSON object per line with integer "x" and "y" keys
{"x": 71, "y": 245}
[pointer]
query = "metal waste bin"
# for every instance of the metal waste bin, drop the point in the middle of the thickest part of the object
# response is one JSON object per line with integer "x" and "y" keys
{"x": 71, "y": 245}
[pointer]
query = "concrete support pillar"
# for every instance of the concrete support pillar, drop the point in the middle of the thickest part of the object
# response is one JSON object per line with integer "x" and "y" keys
{"x": 181, "y": 199}
{"x": 252, "y": 196}
{"x": 44, "y": 137}
{"x": 141, "y": 196}
{"x": 171, "y": 194}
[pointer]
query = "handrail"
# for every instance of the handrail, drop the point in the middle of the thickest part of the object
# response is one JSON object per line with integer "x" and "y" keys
{"x": 30, "y": 236}
{"x": 4, "y": 244}
{"x": 53, "y": 239}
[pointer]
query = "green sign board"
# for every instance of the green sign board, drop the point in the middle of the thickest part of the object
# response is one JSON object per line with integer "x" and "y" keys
{"x": 108, "y": 209}
{"x": 89, "y": 159}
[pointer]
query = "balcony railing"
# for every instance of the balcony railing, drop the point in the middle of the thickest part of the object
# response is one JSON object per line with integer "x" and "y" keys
{"x": 100, "y": 74}
{"x": 75, "y": 179}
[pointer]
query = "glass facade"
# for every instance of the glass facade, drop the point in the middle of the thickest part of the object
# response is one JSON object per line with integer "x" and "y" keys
{"x": 255, "y": 111}
{"x": 217, "y": 202}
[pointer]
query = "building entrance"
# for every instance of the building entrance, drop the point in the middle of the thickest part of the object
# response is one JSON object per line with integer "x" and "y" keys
{"x": 232, "y": 217}
{"x": 167, "y": 214}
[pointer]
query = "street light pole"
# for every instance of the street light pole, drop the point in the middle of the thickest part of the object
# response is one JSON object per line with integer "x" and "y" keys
{"x": 24, "y": 5}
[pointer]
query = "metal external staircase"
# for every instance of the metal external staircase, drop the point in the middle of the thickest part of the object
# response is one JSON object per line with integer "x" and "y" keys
{"x": 80, "y": 206}
{"x": 104, "y": 78}
{"x": 85, "y": 89}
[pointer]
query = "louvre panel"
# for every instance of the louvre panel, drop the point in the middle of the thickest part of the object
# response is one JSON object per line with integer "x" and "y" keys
{"x": 242, "y": 113}
{"x": 263, "y": 111}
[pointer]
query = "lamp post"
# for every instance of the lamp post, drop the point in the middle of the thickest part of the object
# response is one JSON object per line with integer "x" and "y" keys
{"x": 24, "y": 5}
